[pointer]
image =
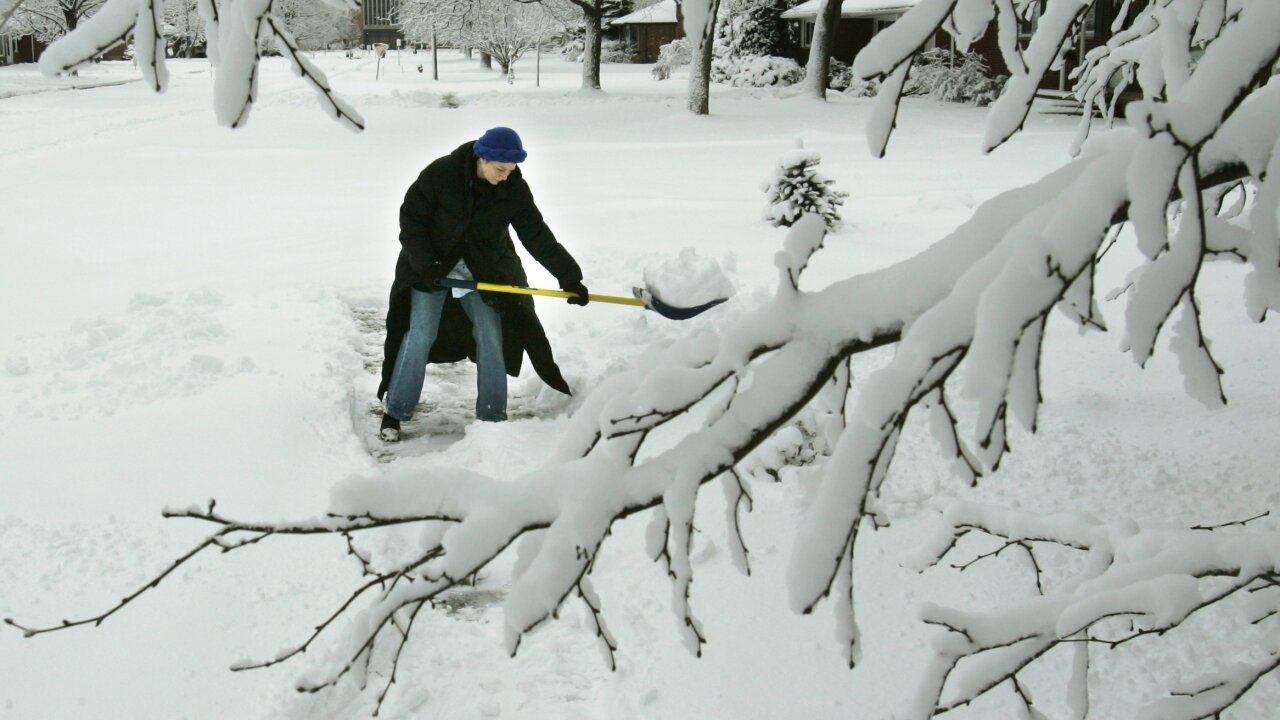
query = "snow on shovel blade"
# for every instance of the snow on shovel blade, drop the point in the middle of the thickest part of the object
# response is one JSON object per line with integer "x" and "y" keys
{"x": 654, "y": 303}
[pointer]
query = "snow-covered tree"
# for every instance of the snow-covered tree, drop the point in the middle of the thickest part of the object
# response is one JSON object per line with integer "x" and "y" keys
{"x": 184, "y": 26}
{"x": 500, "y": 29}
{"x": 237, "y": 25}
{"x": 796, "y": 189}
{"x": 754, "y": 28}
{"x": 49, "y": 20}
{"x": 1193, "y": 177}
{"x": 315, "y": 25}
{"x": 491, "y": 27}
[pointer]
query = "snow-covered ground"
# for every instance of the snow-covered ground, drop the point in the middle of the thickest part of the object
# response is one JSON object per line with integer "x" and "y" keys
{"x": 177, "y": 323}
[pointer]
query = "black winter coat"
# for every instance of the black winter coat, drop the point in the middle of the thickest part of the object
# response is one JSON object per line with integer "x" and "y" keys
{"x": 450, "y": 214}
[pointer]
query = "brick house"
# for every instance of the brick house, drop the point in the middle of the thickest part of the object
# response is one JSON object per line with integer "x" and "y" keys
{"x": 648, "y": 29}
{"x": 25, "y": 49}
{"x": 860, "y": 20}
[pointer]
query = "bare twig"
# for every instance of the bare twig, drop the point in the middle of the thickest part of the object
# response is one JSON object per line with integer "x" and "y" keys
{"x": 1241, "y": 523}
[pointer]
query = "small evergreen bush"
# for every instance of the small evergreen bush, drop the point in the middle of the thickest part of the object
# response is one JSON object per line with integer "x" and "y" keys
{"x": 796, "y": 188}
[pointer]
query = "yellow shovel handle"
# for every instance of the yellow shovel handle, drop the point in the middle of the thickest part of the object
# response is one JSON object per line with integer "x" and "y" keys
{"x": 512, "y": 289}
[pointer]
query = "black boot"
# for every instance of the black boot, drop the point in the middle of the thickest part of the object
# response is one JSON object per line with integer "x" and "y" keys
{"x": 390, "y": 431}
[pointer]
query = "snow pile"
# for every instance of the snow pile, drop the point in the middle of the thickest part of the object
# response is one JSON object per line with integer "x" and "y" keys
{"x": 689, "y": 280}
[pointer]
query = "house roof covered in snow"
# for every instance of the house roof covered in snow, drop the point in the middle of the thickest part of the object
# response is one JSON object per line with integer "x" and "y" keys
{"x": 852, "y": 8}
{"x": 661, "y": 12}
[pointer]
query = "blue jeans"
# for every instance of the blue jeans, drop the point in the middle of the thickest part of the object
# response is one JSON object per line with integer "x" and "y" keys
{"x": 411, "y": 363}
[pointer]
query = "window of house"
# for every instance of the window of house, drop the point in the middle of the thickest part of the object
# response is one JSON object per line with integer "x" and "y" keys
{"x": 1093, "y": 18}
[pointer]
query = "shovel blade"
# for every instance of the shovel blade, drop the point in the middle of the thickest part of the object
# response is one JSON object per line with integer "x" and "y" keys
{"x": 672, "y": 312}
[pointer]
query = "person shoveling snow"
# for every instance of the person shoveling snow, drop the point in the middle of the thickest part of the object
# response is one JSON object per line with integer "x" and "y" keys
{"x": 455, "y": 223}
{"x": 455, "y": 240}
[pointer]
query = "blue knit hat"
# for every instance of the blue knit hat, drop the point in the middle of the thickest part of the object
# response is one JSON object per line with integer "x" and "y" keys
{"x": 500, "y": 144}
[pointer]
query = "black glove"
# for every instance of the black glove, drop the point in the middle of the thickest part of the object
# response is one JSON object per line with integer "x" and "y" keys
{"x": 577, "y": 287}
{"x": 433, "y": 272}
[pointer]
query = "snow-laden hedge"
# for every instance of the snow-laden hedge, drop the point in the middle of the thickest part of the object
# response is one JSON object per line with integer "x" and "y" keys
{"x": 749, "y": 71}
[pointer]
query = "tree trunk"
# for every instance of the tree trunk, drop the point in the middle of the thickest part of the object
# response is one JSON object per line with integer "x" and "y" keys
{"x": 72, "y": 19}
{"x": 700, "y": 65}
{"x": 818, "y": 71}
{"x": 591, "y": 47}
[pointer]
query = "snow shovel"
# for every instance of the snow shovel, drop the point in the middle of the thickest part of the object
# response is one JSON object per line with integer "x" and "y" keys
{"x": 642, "y": 297}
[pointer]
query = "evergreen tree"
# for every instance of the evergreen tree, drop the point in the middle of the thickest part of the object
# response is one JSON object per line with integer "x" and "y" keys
{"x": 798, "y": 188}
{"x": 754, "y": 28}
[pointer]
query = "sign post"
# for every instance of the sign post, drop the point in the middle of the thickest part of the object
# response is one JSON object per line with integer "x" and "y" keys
{"x": 379, "y": 49}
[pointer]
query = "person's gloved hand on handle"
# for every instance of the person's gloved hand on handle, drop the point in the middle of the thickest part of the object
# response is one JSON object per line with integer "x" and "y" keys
{"x": 576, "y": 286}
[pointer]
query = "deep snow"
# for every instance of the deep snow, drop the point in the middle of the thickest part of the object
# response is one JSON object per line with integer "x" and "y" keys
{"x": 176, "y": 323}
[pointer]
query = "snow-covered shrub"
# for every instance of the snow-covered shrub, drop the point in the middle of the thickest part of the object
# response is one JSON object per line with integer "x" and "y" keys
{"x": 958, "y": 77}
{"x": 796, "y": 188}
{"x": 674, "y": 54}
{"x": 756, "y": 71}
{"x": 862, "y": 88}
{"x": 573, "y": 48}
{"x": 618, "y": 51}
{"x": 611, "y": 51}
{"x": 840, "y": 77}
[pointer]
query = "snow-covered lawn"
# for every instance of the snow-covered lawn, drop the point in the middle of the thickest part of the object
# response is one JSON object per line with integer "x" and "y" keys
{"x": 176, "y": 324}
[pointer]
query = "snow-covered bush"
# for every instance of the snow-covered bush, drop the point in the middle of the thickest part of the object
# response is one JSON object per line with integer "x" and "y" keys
{"x": 840, "y": 76}
{"x": 952, "y": 77}
{"x": 673, "y": 55}
{"x": 797, "y": 187}
{"x": 573, "y": 48}
{"x": 862, "y": 88}
{"x": 756, "y": 71}
{"x": 618, "y": 51}
{"x": 611, "y": 51}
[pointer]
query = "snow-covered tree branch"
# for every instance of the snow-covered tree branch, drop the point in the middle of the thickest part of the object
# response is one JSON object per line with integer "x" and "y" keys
{"x": 237, "y": 27}
{"x": 1134, "y": 583}
{"x": 1195, "y": 177}
{"x": 48, "y": 19}
{"x": 7, "y": 9}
